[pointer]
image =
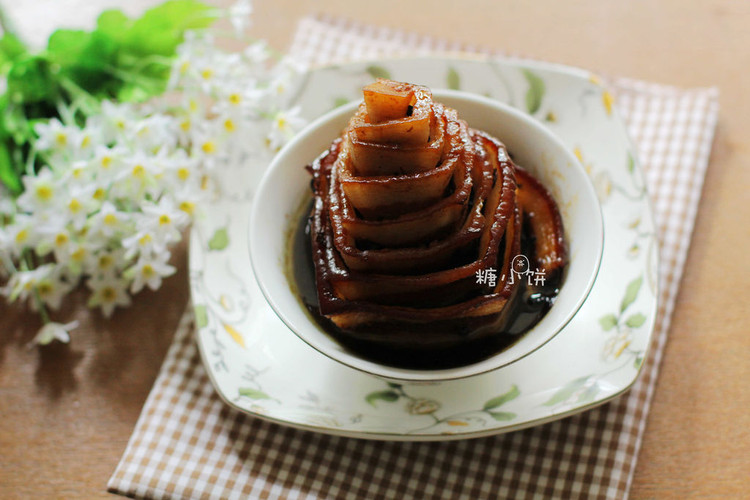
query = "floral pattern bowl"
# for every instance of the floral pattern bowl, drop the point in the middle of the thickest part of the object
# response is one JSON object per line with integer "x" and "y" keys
{"x": 285, "y": 186}
{"x": 259, "y": 367}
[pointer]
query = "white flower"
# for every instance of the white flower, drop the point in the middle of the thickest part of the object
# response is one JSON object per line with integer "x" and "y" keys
{"x": 182, "y": 171}
{"x": 206, "y": 144}
{"x": 137, "y": 178}
{"x": 21, "y": 284}
{"x": 55, "y": 238}
{"x": 20, "y": 234}
{"x": 285, "y": 124}
{"x": 108, "y": 221}
{"x": 284, "y": 75}
{"x": 54, "y": 137}
{"x": 107, "y": 262}
{"x": 106, "y": 162}
{"x": 78, "y": 173}
{"x": 239, "y": 15}
{"x": 79, "y": 204}
{"x": 155, "y": 132}
{"x": 149, "y": 271}
{"x": 51, "y": 288}
{"x": 40, "y": 191}
{"x": 143, "y": 242}
{"x": 165, "y": 220}
{"x": 85, "y": 142}
{"x": 54, "y": 331}
{"x": 108, "y": 292}
{"x": 188, "y": 200}
{"x": 81, "y": 257}
{"x": 114, "y": 120}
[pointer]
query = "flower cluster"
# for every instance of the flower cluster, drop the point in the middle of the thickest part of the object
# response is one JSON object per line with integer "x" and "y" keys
{"x": 115, "y": 191}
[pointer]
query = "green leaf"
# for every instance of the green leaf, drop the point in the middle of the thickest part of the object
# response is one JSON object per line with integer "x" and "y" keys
{"x": 160, "y": 30}
{"x": 30, "y": 80}
{"x": 631, "y": 163}
{"x": 11, "y": 49}
{"x": 502, "y": 399}
{"x": 219, "y": 240}
{"x": 608, "y": 322}
{"x": 638, "y": 362}
{"x": 535, "y": 93}
{"x": 566, "y": 391}
{"x": 8, "y": 174}
{"x": 114, "y": 24}
{"x": 132, "y": 92}
{"x": 201, "y": 316}
{"x": 389, "y": 396}
{"x": 87, "y": 58}
{"x": 378, "y": 72}
{"x": 502, "y": 416}
{"x": 452, "y": 79}
{"x": 251, "y": 393}
{"x": 340, "y": 101}
{"x": 631, "y": 292}
{"x": 588, "y": 395}
{"x": 635, "y": 320}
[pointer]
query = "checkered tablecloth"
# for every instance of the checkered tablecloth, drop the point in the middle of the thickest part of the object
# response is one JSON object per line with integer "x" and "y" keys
{"x": 188, "y": 444}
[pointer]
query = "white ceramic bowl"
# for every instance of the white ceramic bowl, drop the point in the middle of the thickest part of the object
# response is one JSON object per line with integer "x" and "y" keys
{"x": 286, "y": 184}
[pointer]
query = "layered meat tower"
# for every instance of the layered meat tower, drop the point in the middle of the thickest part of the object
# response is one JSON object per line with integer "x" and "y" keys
{"x": 412, "y": 208}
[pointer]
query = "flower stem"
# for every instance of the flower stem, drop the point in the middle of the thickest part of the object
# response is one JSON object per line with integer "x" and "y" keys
{"x": 40, "y": 306}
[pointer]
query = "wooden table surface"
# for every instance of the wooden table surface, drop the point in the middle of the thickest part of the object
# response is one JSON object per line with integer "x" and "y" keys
{"x": 66, "y": 412}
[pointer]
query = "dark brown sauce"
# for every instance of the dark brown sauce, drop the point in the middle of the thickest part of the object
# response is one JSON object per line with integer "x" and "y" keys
{"x": 527, "y": 307}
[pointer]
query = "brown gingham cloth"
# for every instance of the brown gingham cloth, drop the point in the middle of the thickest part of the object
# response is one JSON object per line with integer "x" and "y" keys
{"x": 188, "y": 444}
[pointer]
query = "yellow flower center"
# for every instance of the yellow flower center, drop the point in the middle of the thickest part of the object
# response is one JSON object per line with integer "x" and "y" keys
{"x": 75, "y": 206}
{"x": 99, "y": 194}
{"x": 235, "y": 98}
{"x": 79, "y": 254}
{"x": 229, "y": 125}
{"x": 22, "y": 236}
{"x": 44, "y": 193}
{"x": 139, "y": 171}
{"x": 207, "y": 73}
{"x": 105, "y": 261}
{"x": 109, "y": 294}
{"x": 45, "y": 288}
{"x": 106, "y": 162}
{"x": 86, "y": 141}
{"x": 183, "y": 173}
{"x": 185, "y": 125}
{"x": 144, "y": 240}
{"x": 164, "y": 219}
{"x": 148, "y": 271}
{"x": 187, "y": 207}
{"x": 61, "y": 239}
{"x": 208, "y": 147}
{"x": 110, "y": 219}
{"x": 61, "y": 138}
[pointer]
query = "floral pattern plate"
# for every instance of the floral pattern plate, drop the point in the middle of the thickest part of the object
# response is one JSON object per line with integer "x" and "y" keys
{"x": 260, "y": 367}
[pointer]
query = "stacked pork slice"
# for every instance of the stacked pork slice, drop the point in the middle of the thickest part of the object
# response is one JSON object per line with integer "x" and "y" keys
{"x": 415, "y": 222}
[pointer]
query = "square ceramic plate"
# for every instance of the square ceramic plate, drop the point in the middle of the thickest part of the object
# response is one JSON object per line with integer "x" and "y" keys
{"x": 260, "y": 367}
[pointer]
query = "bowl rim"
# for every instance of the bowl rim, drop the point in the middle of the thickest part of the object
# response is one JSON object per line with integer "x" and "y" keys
{"x": 404, "y": 374}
